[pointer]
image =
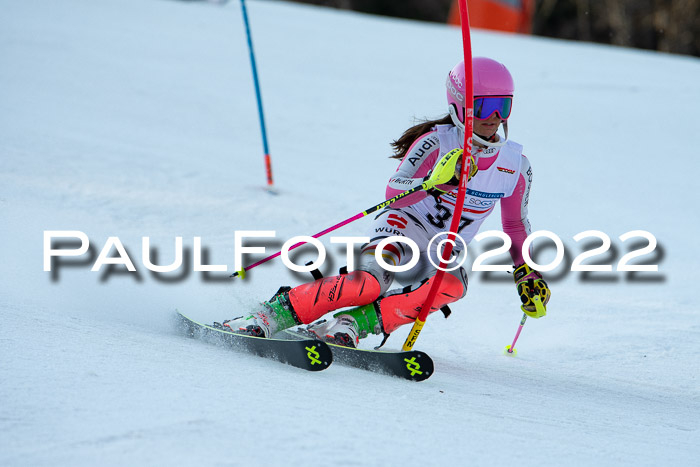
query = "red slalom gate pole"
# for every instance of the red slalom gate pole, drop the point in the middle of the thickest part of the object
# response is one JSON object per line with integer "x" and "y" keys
{"x": 464, "y": 178}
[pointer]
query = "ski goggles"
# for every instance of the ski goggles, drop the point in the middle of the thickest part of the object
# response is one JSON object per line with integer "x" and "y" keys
{"x": 484, "y": 107}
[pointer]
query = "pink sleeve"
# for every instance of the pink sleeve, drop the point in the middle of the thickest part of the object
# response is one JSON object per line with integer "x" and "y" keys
{"x": 414, "y": 167}
{"x": 514, "y": 212}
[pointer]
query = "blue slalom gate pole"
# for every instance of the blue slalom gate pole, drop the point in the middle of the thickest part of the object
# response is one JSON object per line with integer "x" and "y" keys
{"x": 268, "y": 163}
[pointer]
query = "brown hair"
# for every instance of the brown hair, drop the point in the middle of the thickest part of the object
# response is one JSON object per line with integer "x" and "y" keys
{"x": 403, "y": 144}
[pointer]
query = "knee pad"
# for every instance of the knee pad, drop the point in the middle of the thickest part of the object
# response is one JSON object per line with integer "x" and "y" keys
{"x": 383, "y": 277}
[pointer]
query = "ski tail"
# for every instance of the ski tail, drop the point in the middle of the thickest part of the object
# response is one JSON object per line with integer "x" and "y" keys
{"x": 308, "y": 354}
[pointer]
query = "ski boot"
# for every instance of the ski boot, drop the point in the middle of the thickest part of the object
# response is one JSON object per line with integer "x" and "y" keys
{"x": 276, "y": 315}
{"x": 348, "y": 327}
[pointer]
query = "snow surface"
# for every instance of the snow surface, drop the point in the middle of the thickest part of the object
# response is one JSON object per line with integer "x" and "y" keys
{"x": 135, "y": 118}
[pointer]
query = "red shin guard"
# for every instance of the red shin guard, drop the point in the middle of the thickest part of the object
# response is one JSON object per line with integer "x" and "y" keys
{"x": 315, "y": 299}
{"x": 403, "y": 308}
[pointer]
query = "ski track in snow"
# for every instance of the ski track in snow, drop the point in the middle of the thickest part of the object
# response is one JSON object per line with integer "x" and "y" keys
{"x": 135, "y": 118}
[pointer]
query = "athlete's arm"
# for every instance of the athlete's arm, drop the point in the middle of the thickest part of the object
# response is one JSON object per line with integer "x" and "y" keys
{"x": 415, "y": 166}
{"x": 514, "y": 212}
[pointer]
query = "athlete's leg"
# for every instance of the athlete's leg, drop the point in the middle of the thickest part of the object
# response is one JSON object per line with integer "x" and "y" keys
{"x": 370, "y": 280}
{"x": 402, "y": 306}
{"x": 315, "y": 299}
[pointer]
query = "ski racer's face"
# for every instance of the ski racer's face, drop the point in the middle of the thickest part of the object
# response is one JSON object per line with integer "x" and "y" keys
{"x": 488, "y": 127}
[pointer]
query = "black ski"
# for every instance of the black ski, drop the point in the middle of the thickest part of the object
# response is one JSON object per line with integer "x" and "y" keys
{"x": 309, "y": 354}
{"x": 413, "y": 365}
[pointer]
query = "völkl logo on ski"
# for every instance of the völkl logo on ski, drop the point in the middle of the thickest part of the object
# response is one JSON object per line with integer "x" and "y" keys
{"x": 413, "y": 366}
{"x": 313, "y": 355}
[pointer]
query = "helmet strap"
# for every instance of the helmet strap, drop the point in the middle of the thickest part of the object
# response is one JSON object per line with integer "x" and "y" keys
{"x": 455, "y": 118}
{"x": 493, "y": 144}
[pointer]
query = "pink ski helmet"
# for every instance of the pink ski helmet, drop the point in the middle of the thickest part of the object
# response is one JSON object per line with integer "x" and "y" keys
{"x": 491, "y": 78}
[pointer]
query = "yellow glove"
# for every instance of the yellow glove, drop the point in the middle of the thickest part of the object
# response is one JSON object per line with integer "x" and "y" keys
{"x": 530, "y": 285}
{"x": 448, "y": 170}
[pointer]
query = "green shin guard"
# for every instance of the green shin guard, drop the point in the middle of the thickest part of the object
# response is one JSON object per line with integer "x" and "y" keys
{"x": 367, "y": 319}
{"x": 284, "y": 314}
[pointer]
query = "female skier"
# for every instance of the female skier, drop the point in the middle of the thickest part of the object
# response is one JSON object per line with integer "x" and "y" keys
{"x": 428, "y": 151}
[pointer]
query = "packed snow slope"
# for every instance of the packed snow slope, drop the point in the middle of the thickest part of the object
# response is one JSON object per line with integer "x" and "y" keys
{"x": 135, "y": 118}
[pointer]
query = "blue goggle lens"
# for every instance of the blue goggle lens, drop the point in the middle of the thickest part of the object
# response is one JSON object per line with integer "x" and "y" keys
{"x": 484, "y": 107}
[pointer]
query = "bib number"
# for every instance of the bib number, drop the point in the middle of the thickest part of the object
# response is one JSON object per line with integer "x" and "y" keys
{"x": 444, "y": 215}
